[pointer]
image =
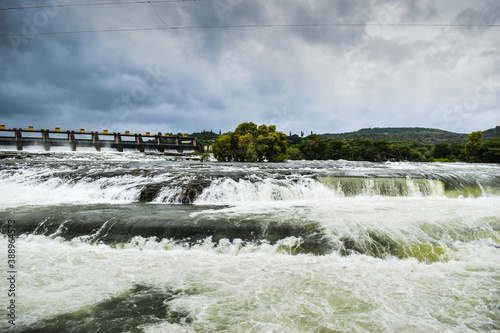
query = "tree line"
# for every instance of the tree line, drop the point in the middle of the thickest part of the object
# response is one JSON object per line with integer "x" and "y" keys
{"x": 316, "y": 147}
{"x": 252, "y": 143}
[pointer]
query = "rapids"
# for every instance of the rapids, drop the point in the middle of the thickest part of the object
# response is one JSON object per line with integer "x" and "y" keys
{"x": 140, "y": 243}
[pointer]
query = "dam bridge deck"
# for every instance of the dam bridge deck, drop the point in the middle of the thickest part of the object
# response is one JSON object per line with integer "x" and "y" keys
{"x": 46, "y": 138}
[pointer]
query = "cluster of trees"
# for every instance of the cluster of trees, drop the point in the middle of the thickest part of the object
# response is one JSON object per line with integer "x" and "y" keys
{"x": 476, "y": 151}
{"x": 315, "y": 147}
{"x": 251, "y": 143}
{"x": 206, "y": 138}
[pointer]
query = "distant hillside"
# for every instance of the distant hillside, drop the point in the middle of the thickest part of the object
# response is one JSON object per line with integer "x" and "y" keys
{"x": 391, "y": 131}
{"x": 491, "y": 133}
{"x": 399, "y": 134}
{"x": 204, "y": 135}
{"x": 403, "y": 134}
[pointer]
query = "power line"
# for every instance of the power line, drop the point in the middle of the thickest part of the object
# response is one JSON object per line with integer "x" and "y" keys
{"x": 327, "y": 25}
{"x": 168, "y": 27}
{"x": 96, "y": 4}
{"x": 333, "y": 25}
{"x": 154, "y": 8}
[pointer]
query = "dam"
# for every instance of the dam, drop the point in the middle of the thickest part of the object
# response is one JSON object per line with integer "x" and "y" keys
{"x": 47, "y": 138}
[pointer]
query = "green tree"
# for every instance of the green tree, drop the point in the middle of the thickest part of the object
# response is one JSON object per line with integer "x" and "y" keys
{"x": 347, "y": 152}
{"x": 294, "y": 154}
{"x": 382, "y": 150}
{"x": 362, "y": 150}
{"x": 416, "y": 156}
{"x": 246, "y": 128}
{"x": 491, "y": 150}
{"x": 293, "y": 140}
{"x": 249, "y": 143}
{"x": 222, "y": 149}
{"x": 457, "y": 150}
{"x": 334, "y": 149}
{"x": 401, "y": 152}
{"x": 313, "y": 148}
{"x": 271, "y": 145}
{"x": 474, "y": 147}
{"x": 441, "y": 150}
{"x": 246, "y": 151}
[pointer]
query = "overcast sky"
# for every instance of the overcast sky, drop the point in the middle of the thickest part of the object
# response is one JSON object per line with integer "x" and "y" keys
{"x": 303, "y": 65}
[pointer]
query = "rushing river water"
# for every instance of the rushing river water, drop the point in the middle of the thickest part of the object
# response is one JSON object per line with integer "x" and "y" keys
{"x": 128, "y": 242}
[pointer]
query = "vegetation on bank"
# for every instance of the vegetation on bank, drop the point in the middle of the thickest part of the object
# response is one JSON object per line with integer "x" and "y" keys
{"x": 206, "y": 138}
{"x": 315, "y": 147}
{"x": 252, "y": 143}
{"x": 410, "y": 135}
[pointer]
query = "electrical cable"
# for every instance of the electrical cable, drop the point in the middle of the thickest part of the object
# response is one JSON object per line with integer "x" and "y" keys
{"x": 327, "y": 25}
{"x": 96, "y": 4}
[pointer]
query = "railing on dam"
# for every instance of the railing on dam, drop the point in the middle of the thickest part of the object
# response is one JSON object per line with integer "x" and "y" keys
{"x": 46, "y": 138}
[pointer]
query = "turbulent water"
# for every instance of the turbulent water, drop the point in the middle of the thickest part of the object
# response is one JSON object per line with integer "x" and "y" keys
{"x": 128, "y": 242}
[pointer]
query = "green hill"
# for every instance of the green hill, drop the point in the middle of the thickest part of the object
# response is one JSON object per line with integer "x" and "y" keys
{"x": 398, "y": 134}
{"x": 392, "y": 131}
{"x": 204, "y": 135}
{"x": 402, "y": 134}
{"x": 491, "y": 133}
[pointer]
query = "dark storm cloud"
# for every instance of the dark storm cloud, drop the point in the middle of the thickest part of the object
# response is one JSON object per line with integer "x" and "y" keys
{"x": 58, "y": 70}
{"x": 325, "y": 79}
{"x": 489, "y": 14}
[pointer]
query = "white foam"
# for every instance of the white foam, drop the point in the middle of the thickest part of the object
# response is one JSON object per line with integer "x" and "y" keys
{"x": 228, "y": 191}
{"x": 237, "y": 286}
{"x": 25, "y": 188}
{"x": 224, "y": 290}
